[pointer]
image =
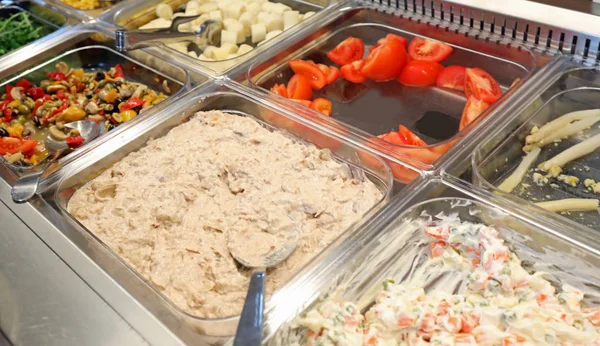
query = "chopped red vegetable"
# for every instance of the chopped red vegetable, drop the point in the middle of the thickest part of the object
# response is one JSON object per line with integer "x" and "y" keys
{"x": 118, "y": 71}
{"x": 482, "y": 85}
{"x": 74, "y": 141}
{"x": 36, "y": 93}
{"x": 331, "y": 73}
{"x": 452, "y": 77}
{"x": 385, "y": 62}
{"x": 409, "y": 137}
{"x": 280, "y": 89}
{"x": 131, "y": 103}
{"x": 351, "y": 72}
{"x": 25, "y": 84}
{"x": 420, "y": 73}
{"x": 322, "y": 105}
{"x": 299, "y": 88}
{"x": 57, "y": 76}
{"x": 309, "y": 70}
{"x": 350, "y": 50}
{"x": 472, "y": 110}
{"x": 12, "y": 145}
{"x": 304, "y": 102}
{"x": 428, "y": 50}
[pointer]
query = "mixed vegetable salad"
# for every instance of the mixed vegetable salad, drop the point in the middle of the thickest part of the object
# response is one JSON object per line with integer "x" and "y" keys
{"x": 392, "y": 58}
{"x": 501, "y": 303}
{"x": 29, "y": 113}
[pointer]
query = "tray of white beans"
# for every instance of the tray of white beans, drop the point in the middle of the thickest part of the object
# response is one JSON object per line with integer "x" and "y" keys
{"x": 246, "y": 24}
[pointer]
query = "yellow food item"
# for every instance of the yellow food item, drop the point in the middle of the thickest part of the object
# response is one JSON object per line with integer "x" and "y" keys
{"x": 15, "y": 130}
{"x": 73, "y": 113}
{"x": 83, "y": 4}
{"x": 128, "y": 115}
{"x": 78, "y": 73}
{"x": 14, "y": 104}
{"x": 112, "y": 96}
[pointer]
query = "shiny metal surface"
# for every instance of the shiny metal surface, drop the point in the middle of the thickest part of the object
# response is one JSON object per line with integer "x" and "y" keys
{"x": 192, "y": 329}
{"x": 43, "y": 301}
{"x": 93, "y": 289}
{"x": 208, "y": 33}
{"x": 27, "y": 186}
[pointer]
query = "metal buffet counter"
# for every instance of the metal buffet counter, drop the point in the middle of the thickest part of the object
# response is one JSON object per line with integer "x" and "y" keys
{"x": 60, "y": 285}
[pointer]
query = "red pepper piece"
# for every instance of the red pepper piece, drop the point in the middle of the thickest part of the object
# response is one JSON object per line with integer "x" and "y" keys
{"x": 57, "y": 76}
{"x": 118, "y": 71}
{"x": 131, "y": 103}
{"x": 74, "y": 141}
{"x": 36, "y": 93}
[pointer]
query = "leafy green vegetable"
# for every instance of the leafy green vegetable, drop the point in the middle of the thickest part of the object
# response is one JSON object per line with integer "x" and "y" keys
{"x": 18, "y": 30}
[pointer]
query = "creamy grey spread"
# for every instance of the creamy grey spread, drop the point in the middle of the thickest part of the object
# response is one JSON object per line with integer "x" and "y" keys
{"x": 167, "y": 208}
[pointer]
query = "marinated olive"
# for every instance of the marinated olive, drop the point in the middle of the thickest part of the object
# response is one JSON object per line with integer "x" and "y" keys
{"x": 3, "y": 133}
{"x": 21, "y": 119}
{"x": 117, "y": 102}
{"x": 23, "y": 109}
{"x": 99, "y": 76}
{"x": 37, "y": 122}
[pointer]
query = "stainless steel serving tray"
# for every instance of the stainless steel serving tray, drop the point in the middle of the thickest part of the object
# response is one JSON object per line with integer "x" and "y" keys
{"x": 45, "y": 15}
{"x": 371, "y": 109}
{"x": 89, "y": 48}
{"x": 135, "y": 14}
{"x": 87, "y": 15}
{"x": 573, "y": 88}
{"x": 191, "y": 329}
{"x": 393, "y": 249}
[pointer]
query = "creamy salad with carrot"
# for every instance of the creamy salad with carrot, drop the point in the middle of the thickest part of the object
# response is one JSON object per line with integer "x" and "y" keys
{"x": 500, "y": 304}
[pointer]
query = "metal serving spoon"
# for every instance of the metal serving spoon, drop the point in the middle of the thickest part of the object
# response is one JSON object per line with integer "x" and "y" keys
{"x": 249, "y": 330}
{"x": 27, "y": 186}
{"x": 208, "y": 33}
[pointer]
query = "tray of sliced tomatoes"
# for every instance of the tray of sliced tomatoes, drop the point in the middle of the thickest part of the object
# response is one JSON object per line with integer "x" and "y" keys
{"x": 408, "y": 91}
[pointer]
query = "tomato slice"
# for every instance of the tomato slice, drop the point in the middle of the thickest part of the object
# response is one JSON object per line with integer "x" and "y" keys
{"x": 309, "y": 70}
{"x": 280, "y": 89}
{"x": 350, "y": 50}
{"x": 472, "y": 110}
{"x": 331, "y": 73}
{"x": 322, "y": 105}
{"x": 481, "y": 85}
{"x": 11, "y": 145}
{"x": 452, "y": 77}
{"x": 429, "y": 50}
{"x": 352, "y": 72}
{"x": 306, "y": 103}
{"x": 409, "y": 137}
{"x": 420, "y": 73}
{"x": 299, "y": 88}
{"x": 384, "y": 62}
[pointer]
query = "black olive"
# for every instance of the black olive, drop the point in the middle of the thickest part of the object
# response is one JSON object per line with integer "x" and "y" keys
{"x": 89, "y": 94}
{"x": 117, "y": 83}
{"x": 3, "y": 133}
{"x": 117, "y": 102}
{"x": 36, "y": 121}
{"x": 99, "y": 76}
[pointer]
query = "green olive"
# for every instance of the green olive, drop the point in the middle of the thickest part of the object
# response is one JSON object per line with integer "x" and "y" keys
{"x": 30, "y": 103}
{"x": 108, "y": 87}
{"x": 14, "y": 122}
{"x": 23, "y": 109}
{"x": 44, "y": 84}
{"x": 21, "y": 119}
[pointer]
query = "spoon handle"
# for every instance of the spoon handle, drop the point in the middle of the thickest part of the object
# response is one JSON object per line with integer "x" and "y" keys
{"x": 249, "y": 331}
{"x": 27, "y": 185}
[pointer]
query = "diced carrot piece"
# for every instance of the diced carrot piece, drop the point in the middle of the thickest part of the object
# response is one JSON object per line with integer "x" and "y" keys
{"x": 541, "y": 298}
{"x": 437, "y": 248}
{"x": 441, "y": 233}
{"x": 469, "y": 321}
{"x": 594, "y": 317}
{"x": 464, "y": 339}
{"x": 443, "y": 308}
{"x": 405, "y": 321}
{"x": 475, "y": 262}
{"x": 428, "y": 323}
{"x": 454, "y": 324}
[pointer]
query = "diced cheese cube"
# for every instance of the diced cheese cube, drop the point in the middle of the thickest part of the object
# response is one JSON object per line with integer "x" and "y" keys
{"x": 247, "y": 19}
{"x": 157, "y": 23}
{"x": 205, "y": 58}
{"x": 215, "y": 15}
{"x": 245, "y": 48}
{"x": 237, "y": 27}
{"x": 209, "y": 51}
{"x": 263, "y": 17}
{"x": 272, "y": 34}
{"x": 206, "y": 8}
{"x": 290, "y": 18}
{"x": 234, "y": 11}
{"x": 221, "y": 53}
{"x": 232, "y": 56}
{"x": 274, "y": 23}
{"x": 229, "y": 37}
{"x": 259, "y": 32}
{"x": 253, "y": 7}
{"x": 269, "y": 6}
{"x": 164, "y": 11}
{"x": 193, "y": 54}
{"x": 224, "y": 3}
{"x": 229, "y": 48}
{"x": 280, "y": 8}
